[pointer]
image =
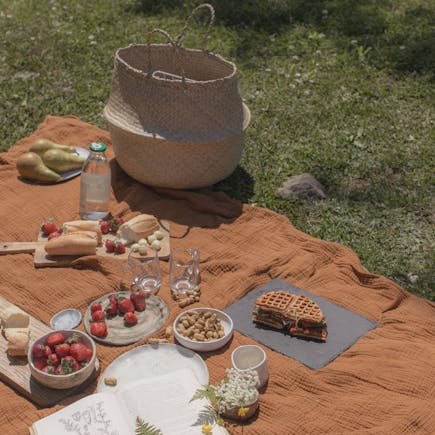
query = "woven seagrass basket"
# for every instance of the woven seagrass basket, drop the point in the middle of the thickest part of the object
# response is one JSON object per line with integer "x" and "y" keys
{"x": 175, "y": 114}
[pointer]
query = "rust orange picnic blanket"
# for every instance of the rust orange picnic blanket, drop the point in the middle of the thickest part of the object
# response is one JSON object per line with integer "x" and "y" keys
{"x": 383, "y": 384}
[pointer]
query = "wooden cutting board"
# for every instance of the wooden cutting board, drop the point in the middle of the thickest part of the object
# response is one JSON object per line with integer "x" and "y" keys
{"x": 41, "y": 259}
{"x": 15, "y": 371}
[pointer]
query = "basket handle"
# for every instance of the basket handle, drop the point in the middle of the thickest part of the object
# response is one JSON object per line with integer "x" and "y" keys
{"x": 171, "y": 42}
{"x": 208, "y": 6}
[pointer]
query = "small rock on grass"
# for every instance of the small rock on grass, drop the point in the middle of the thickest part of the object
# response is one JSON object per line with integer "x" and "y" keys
{"x": 302, "y": 186}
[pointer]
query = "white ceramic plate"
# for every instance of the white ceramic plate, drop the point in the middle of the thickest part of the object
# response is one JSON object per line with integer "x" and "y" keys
{"x": 149, "y": 321}
{"x": 153, "y": 360}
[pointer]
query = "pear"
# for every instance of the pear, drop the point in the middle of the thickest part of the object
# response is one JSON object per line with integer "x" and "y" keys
{"x": 30, "y": 165}
{"x": 61, "y": 161}
{"x": 42, "y": 145}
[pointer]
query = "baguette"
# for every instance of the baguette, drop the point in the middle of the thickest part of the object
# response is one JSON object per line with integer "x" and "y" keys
{"x": 90, "y": 234}
{"x": 72, "y": 244}
{"x": 74, "y": 226}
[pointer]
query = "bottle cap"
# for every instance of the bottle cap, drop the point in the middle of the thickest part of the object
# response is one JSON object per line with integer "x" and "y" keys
{"x": 98, "y": 147}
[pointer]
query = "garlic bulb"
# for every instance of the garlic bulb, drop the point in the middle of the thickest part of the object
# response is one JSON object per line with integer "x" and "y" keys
{"x": 156, "y": 245}
{"x": 135, "y": 247}
{"x": 143, "y": 249}
{"x": 158, "y": 235}
{"x": 143, "y": 242}
{"x": 151, "y": 239}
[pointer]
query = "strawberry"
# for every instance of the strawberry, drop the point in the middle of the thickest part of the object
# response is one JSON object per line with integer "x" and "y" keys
{"x": 49, "y": 369}
{"x": 79, "y": 352}
{"x": 119, "y": 248}
{"x": 113, "y": 299}
{"x": 99, "y": 329}
{"x": 55, "y": 339}
{"x": 98, "y": 316}
{"x": 125, "y": 305}
{"x": 74, "y": 338}
{"x": 96, "y": 307}
{"x": 130, "y": 319}
{"x": 67, "y": 365}
{"x": 62, "y": 350}
{"x": 39, "y": 363}
{"x": 88, "y": 353}
{"x": 105, "y": 227}
{"x": 48, "y": 227}
{"x": 41, "y": 351}
{"x": 77, "y": 366}
{"x": 138, "y": 299}
{"x": 110, "y": 245}
{"x": 54, "y": 234}
{"x": 53, "y": 360}
{"x": 115, "y": 223}
{"x": 112, "y": 309}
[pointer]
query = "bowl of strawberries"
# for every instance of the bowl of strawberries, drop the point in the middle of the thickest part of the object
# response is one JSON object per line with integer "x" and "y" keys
{"x": 62, "y": 359}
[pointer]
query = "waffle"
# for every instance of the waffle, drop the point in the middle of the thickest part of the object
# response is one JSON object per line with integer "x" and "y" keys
{"x": 303, "y": 308}
{"x": 277, "y": 301}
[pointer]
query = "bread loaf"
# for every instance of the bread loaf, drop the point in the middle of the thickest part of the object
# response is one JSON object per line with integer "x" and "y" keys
{"x": 138, "y": 228}
{"x": 11, "y": 333}
{"x": 72, "y": 244}
{"x": 74, "y": 226}
{"x": 13, "y": 317}
{"x": 17, "y": 350}
{"x": 18, "y": 341}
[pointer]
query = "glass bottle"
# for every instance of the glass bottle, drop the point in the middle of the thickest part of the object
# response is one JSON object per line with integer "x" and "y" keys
{"x": 95, "y": 184}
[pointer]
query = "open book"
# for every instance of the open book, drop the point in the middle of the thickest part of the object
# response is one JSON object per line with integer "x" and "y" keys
{"x": 162, "y": 401}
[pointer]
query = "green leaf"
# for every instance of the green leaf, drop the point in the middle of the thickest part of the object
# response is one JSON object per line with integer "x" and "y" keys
{"x": 143, "y": 428}
{"x": 206, "y": 392}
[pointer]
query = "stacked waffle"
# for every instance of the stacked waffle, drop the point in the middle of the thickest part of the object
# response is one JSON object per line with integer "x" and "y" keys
{"x": 299, "y": 315}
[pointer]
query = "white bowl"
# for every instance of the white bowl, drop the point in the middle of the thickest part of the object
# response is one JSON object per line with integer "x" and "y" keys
{"x": 60, "y": 382}
{"x": 206, "y": 346}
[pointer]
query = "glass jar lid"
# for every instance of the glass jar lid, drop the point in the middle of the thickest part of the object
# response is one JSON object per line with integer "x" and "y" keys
{"x": 98, "y": 147}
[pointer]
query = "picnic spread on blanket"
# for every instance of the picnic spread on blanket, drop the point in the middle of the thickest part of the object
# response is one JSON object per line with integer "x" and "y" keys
{"x": 129, "y": 305}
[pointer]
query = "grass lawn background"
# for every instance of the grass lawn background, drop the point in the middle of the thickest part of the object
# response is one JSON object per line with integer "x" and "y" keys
{"x": 341, "y": 89}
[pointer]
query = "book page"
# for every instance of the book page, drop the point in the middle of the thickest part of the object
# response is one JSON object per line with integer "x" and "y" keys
{"x": 163, "y": 402}
{"x": 97, "y": 414}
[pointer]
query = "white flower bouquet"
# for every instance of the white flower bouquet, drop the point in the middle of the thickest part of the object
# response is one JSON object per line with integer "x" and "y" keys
{"x": 236, "y": 397}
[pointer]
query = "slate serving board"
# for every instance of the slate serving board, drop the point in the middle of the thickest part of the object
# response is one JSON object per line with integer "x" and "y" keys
{"x": 344, "y": 328}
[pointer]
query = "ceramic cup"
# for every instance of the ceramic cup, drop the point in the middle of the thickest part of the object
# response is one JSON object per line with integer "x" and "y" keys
{"x": 251, "y": 357}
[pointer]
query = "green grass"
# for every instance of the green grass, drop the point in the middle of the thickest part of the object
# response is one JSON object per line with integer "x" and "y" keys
{"x": 342, "y": 89}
